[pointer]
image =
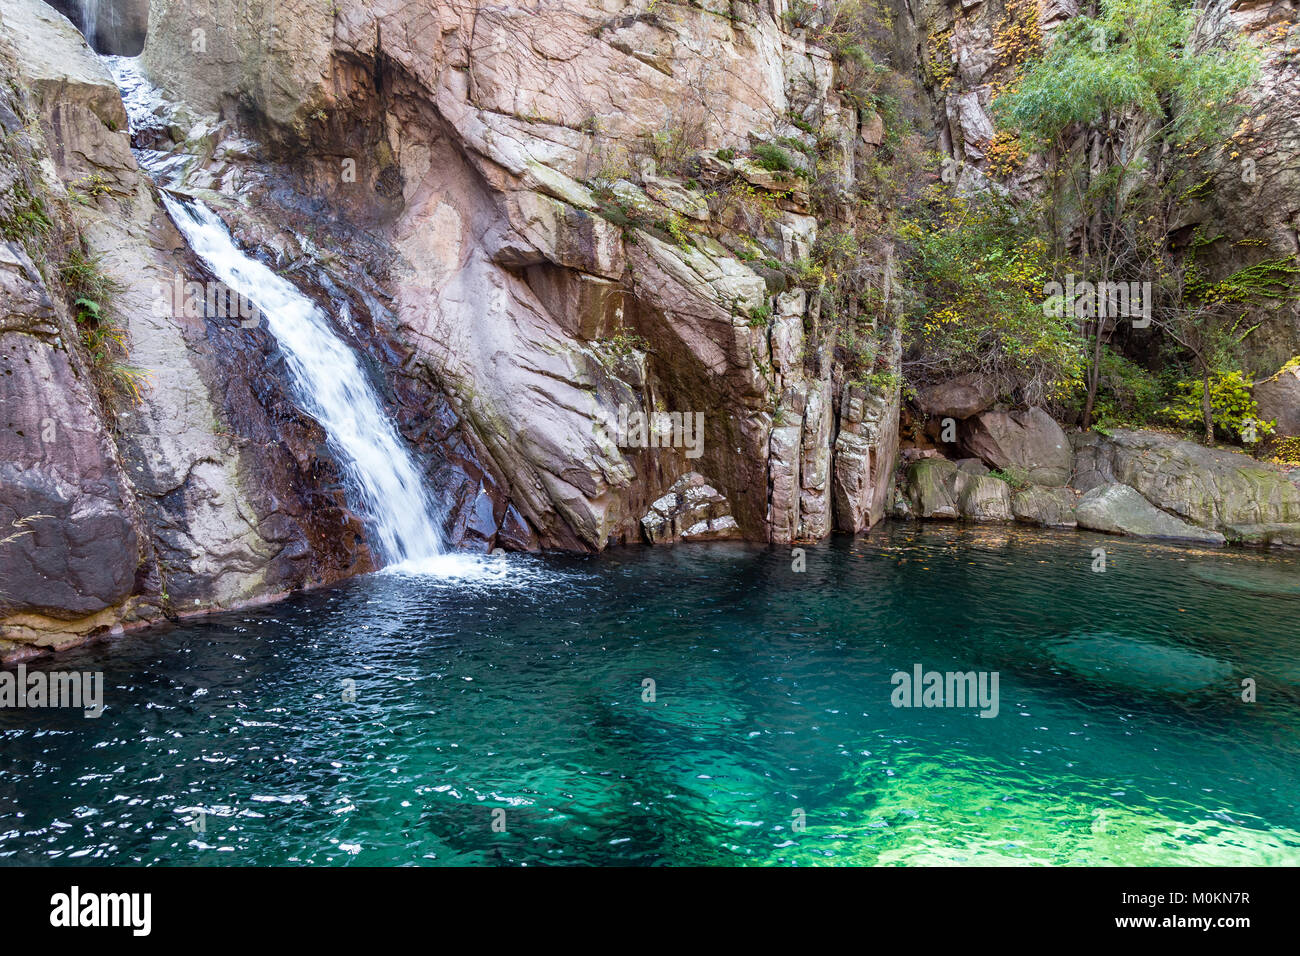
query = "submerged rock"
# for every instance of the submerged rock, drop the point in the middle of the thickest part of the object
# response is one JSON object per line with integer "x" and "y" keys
{"x": 1258, "y": 580}
{"x": 1141, "y": 665}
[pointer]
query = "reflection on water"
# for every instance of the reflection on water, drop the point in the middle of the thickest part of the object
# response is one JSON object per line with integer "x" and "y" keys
{"x": 384, "y": 721}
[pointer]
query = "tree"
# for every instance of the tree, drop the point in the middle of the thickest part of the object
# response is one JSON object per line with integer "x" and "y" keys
{"x": 1120, "y": 106}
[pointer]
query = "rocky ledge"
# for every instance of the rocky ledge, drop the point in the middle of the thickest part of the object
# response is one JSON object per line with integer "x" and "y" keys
{"x": 1025, "y": 468}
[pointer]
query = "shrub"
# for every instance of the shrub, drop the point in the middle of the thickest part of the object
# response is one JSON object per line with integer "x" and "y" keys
{"x": 774, "y": 158}
{"x": 979, "y": 274}
{"x": 1127, "y": 393}
{"x": 1230, "y": 397}
{"x": 94, "y": 292}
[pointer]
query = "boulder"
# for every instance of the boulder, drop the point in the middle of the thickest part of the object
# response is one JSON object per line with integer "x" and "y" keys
{"x": 958, "y": 398}
{"x": 692, "y": 510}
{"x": 1210, "y": 487}
{"x": 1046, "y": 507}
{"x": 930, "y": 489}
{"x": 1119, "y": 509}
{"x": 1028, "y": 440}
{"x": 983, "y": 497}
{"x": 1278, "y": 399}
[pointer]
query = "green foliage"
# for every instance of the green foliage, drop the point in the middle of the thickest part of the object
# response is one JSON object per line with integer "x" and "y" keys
{"x": 884, "y": 380}
{"x": 760, "y": 317}
{"x": 676, "y": 227}
{"x": 773, "y": 157}
{"x": 674, "y": 147}
{"x": 1014, "y": 475}
{"x": 94, "y": 292}
{"x": 625, "y": 344}
{"x": 979, "y": 270}
{"x": 1137, "y": 85}
{"x": 1267, "y": 279}
{"x": 1231, "y": 398}
{"x": 1284, "y": 450}
{"x": 1133, "y": 59}
{"x": 1127, "y": 394}
{"x": 29, "y": 222}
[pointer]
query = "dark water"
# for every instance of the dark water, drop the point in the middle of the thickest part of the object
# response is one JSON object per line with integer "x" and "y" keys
{"x": 1121, "y": 735}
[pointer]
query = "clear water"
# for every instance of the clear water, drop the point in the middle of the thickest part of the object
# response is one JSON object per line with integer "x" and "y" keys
{"x": 516, "y": 685}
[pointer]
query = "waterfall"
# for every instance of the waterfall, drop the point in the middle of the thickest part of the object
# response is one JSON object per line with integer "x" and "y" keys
{"x": 327, "y": 378}
{"x": 89, "y": 19}
{"x": 331, "y": 387}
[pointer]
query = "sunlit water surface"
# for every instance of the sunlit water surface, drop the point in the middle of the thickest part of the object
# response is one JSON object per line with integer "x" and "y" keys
{"x": 518, "y": 684}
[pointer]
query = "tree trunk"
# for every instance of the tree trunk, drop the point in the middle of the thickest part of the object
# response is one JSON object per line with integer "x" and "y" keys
{"x": 1093, "y": 376}
{"x": 1207, "y": 407}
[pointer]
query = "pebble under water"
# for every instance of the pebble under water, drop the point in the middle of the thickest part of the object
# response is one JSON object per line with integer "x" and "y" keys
{"x": 518, "y": 684}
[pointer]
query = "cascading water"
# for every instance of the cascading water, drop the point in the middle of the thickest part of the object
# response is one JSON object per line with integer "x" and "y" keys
{"x": 89, "y": 18}
{"x": 331, "y": 386}
{"x": 326, "y": 376}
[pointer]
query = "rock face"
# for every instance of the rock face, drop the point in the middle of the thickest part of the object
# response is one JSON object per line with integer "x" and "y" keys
{"x": 191, "y": 495}
{"x": 1205, "y": 486}
{"x": 476, "y": 198}
{"x": 1278, "y": 398}
{"x": 865, "y": 456}
{"x": 1118, "y": 509}
{"x": 68, "y": 540}
{"x": 533, "y": 283}
{"x": 116, "y": 27}
{"x": 1030, "y": 441}
{"x": 691, "y": 511}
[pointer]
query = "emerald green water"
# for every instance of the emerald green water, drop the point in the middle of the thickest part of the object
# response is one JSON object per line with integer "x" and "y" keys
{"x": 1121, "y": 736}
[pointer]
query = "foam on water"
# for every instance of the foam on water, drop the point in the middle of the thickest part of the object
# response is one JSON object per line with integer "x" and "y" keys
{"x": 463, "y": 569}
